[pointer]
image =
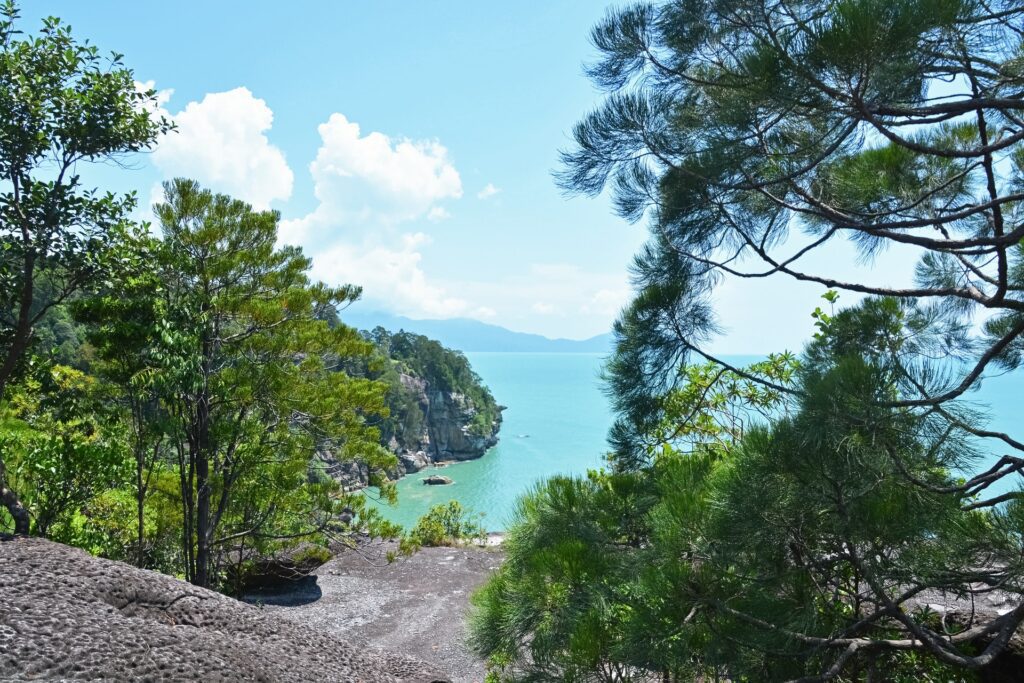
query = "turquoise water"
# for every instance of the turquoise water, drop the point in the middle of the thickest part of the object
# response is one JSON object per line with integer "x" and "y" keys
{"x": 556, "y": 423}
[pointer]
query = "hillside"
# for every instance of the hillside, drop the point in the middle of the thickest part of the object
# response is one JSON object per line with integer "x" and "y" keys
{"x": 439, "y": 409}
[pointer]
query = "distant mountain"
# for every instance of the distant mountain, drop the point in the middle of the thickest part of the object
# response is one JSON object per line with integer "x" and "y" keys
{"x": 472, "y": 335}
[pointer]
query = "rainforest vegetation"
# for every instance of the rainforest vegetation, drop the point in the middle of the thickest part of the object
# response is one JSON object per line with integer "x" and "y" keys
{"x": 167, "y": 390}
{"x": 165, "y": 398}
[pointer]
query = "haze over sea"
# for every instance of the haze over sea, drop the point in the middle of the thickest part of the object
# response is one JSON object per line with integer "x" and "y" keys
{"x": 556, "y": 422}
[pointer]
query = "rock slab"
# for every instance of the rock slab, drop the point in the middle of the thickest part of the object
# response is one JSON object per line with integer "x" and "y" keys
{"x": 416, "y": 605}
{"x": 66, "y": 615}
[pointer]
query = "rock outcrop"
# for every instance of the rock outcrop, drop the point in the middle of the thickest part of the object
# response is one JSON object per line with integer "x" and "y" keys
{"x": 448, "y": 430}
{"x": 65, "y": 615}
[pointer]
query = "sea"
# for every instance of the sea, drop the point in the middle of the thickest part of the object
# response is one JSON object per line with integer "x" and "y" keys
{"x": 557, "y": 420}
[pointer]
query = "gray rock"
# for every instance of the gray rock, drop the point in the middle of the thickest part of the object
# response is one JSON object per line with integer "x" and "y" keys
{"x": 413, "y": 462}
{"x": 445, "y": 436}
{"x": 65, "y": 615}
{"x": 416, "y": 605}
{"x": 437, "y": 480}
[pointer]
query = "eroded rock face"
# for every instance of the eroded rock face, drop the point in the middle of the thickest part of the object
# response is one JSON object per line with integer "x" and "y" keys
{"x": 449, "y": 435}
{"x": 445, "y": 436}
{"x": 65, "y": 615}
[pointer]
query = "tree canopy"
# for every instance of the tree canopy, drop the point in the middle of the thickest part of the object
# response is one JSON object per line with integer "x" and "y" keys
{"x": 793, "y": 519}
{"x": 61, "y": 104}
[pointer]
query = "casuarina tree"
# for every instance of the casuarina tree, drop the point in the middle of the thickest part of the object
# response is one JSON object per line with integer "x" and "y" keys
{"x": 753, "y": 134}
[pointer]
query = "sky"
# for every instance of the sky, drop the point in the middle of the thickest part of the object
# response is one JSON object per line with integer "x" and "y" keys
{"x": 409, "y": 147}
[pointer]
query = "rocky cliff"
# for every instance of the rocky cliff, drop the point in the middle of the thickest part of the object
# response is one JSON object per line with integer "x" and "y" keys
{"x": 450, "y": 429}
{"x": 445, "y": 426}
{"x": 440, "y": 410}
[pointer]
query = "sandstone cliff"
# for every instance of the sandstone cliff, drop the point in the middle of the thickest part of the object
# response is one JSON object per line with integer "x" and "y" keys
{"x": 446, "y": 426}
{"x": 439, "y": 408}
{"x": 450, "y": 428}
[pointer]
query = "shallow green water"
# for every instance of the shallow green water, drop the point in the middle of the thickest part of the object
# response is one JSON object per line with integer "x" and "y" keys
{"x": 556, "y": 423}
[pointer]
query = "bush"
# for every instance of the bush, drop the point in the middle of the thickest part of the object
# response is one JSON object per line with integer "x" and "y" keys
{"x": 444, "y": 525}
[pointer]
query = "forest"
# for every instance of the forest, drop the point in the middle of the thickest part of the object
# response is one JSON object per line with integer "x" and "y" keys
{"x": 833, "y": 512}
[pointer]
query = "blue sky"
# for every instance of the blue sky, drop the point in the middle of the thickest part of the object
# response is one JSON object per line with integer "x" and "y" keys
{"x": 409, "y": 147}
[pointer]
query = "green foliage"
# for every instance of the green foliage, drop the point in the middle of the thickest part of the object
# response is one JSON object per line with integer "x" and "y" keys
{"x": 243, "y": 362}
{"x": 60, "y": 450}
{"x": 765, "y": 528}
{"x": 61, "y": 105}
{"x": 218, "y": 380}
{"x": 442, "y": 525}
{"x": 803, "y": 518}
{"x": 559, "y": 606}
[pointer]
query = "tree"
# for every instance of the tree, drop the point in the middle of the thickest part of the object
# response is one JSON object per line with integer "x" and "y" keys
{"x": 736, "y": 125}
{"x": 255, "y": 391}
{"x": 61, "y": 446}
{"x": 752, "y": 133}
{"x": 136, "y": 351}
{"x": 61, "y": 104}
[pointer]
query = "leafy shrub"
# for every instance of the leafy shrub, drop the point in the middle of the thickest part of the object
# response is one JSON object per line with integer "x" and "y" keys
{"x": 444, "y": 525}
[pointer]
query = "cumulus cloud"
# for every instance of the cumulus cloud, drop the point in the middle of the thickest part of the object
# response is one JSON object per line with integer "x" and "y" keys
{"x": 222, "y": 142}
{"x": 373, "y": 179}
{"x": 389, "y": 276}
{"x": 367, "y": 186}
{"x": 489, "y": 191}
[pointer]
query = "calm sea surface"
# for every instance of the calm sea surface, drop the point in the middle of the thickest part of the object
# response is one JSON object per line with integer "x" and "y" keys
{"x": 556, "y": 423}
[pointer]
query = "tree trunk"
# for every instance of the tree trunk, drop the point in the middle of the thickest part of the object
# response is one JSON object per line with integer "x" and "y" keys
{"x": 202, "y": 460}
{"x": 140, "y": 491}
{"x": 10, "y": 500}
{"x": 19, "y": 343}
{"x": 185, "y": 468}
{"x": 202, "y": 520}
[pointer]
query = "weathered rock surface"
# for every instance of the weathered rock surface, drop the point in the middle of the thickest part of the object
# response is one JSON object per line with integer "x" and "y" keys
{"x": 437, "y": 480}
{"x": 416, "y": 605}
{"x": 65, "y": 615}
{"x": 445, "y": 435}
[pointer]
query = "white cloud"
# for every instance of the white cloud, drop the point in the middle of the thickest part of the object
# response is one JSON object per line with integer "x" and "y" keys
{"x": 162, "y": 96}
{"x": 543, "y": 308}
{"x": 368, "y": 185}
{"x": 222, "y": 142}
{"x": 438, "y": 214}
{"x": 489, "y": 191}
{"x": 389, "y": 276}
{"x": 373, "y": 179}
